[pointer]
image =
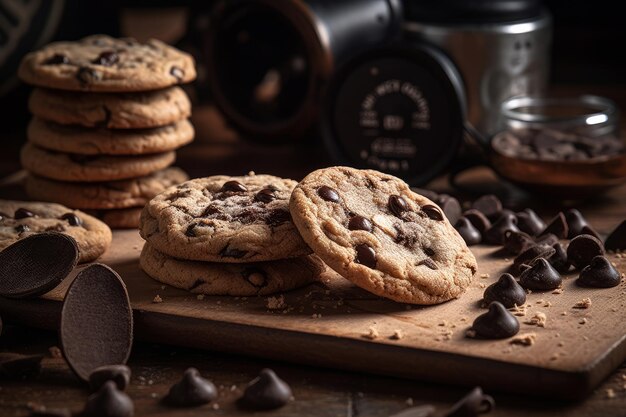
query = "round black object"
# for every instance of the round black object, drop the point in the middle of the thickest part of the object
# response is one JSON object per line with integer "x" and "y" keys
{"x": 474, "y": 11}
{"x": 400, "y": 110}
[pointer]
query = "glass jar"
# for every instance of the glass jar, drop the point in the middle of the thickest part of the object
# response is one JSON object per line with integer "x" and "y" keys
{"x": 563, "y": 129}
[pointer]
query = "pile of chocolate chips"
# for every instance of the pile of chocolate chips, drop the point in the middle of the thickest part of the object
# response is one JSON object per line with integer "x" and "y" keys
{"x": 555, "y": 145}
{"x": 540, "y": 257}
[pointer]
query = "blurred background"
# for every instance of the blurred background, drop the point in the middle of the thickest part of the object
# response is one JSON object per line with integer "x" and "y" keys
{"x": 319, "y": 118}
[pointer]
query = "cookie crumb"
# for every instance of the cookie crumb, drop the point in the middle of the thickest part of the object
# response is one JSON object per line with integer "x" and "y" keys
{"x": 538, "y": 319}
{"x": 471, "y": 333}
{"x": 560, "y": 344}
{"x": 316, "y": 316}
{"x": 583, "y": 304}
{"x": 276, "y": 303}
{"x": 540, "y": 301}
{"x": 397, "y": 335}
{"x": 564, "y": 313}
{"x": 527, "y": 339}
{"x": 482, "y": 285}
{"x": 610, "y": 393}
{"x": 583, "y": 321}
{"x": 409, "y": 402}
{"x": 55, "y": 352}
{"x": 554, "y": 357}
{"x": 484, "y": 276}
{"x": 558, "y": 291}
{"x": 371, "y": 334}
{"x": 547, "y": 304}
{"x": 200, "y": 297}
{"x": 157, "y": 299}
{"x": 443, "y": 323}
{"x": 519, "y": 311}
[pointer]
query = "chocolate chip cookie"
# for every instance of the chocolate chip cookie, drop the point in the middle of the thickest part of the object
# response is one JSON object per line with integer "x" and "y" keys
{"x": 224, "y": 219}
{"x": 135, "y": 192}
{"x": 19, "y": 219}
{"x": 91, "y": 168}
{"x": 104, "y": 64}
{"x": 102, "y": 141}
{"x": 258, "y": 278}
{"x": 372, "y": 229}
{"x": 111, "y": 110}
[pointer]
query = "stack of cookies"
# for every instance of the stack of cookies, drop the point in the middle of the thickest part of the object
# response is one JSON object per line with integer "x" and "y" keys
{"x": 369, "y": 227}
{"x": 108, "y": 117}
{"x": 226, "y": 236}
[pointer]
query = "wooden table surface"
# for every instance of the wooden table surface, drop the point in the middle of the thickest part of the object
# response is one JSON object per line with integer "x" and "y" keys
{"x": 318, "y": 392}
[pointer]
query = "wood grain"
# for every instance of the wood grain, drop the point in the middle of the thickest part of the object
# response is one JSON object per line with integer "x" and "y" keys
{"x": 567, "y": 360}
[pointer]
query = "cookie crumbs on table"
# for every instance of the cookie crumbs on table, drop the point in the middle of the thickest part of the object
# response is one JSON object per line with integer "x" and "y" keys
{"x": 583, "y": 304}
{"x": 157, "y": 299}
{"x": 539, "y": 319}
{"x": 527, "y": 339}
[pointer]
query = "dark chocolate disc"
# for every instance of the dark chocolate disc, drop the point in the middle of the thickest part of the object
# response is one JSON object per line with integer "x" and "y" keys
{"x": 36, "y": 264}
{"x": 96, "y": 321}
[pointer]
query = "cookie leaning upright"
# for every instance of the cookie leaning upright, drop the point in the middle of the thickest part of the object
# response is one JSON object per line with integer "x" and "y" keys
{"x": 102, "y": 63}
{"x": 373, "y": 230}
{"x": 224, "y": 219}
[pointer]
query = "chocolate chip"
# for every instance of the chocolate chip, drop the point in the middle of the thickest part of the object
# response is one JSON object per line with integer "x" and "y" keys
{"x": 72, "y": 219}
{"x": 328, "y": 194}
{"x": 229, "y": 252}
{"x": 192, "y": 390}
{"x": 472, "y": 405}
{"x": 22, "y": 228}
{"x": 178, "y": 73}
{"x": 191, "y": 230}
{"x": 529, "y": 222}
{"x": 433, "y": 212}
{"x": 233, "y": 186}
{"x": 497, "y": 323}
{"x": 575, "y": 223}
{"x": 600, "y": 273}
{"x": 517, "y": 242}
{"x": 588, "y": 230}
{"x": 489, "y": 205}
{"x": 468, "y": 232}
{"x": 266, "y": 392}
{"x": 559, "y": 259}
{"x": 88, "y": 75}
{"x": 365, "y": 255}
{"x": 255, "y": 276}
{"x": 557, "y": 226}
{"x": 428, "y": 262}
{"x": 479, "y": 220}
{"x": 495, "y": 234}
{"x": 397, "y": 205}
{"x": 541, "y": 276}
{"x": 616, "y": 240}
{"x": 22, "y": 213}
{"x": 266, "y": 195}
{"x": 106, "y": 58}
{"x": 96, "y": 326}
{"x": 450, "y": 206}
{"x": 506, "y": 291}
{"x": 34, "y": 265}
{"x": 120, "y": 374}
{"x": 582, "y": 249}
{"x": 360, "y": 223}
{"x": 530, "y": 255}
{"x": 57, "y": 59}
{"x": 108, "y": 402}
{"x": 547, "y": 239}
{"x": 14, "y": 365}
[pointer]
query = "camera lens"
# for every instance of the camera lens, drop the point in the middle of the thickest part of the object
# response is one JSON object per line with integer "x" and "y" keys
{"x": 399, "y": 110}
{"x": 269, "y": 61}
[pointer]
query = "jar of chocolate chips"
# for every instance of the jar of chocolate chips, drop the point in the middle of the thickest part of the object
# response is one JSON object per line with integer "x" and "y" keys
{"x": 559, "y": 129}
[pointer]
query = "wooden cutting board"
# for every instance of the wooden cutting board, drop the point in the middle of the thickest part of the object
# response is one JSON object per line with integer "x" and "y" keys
{"x": 327, "y": 324}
